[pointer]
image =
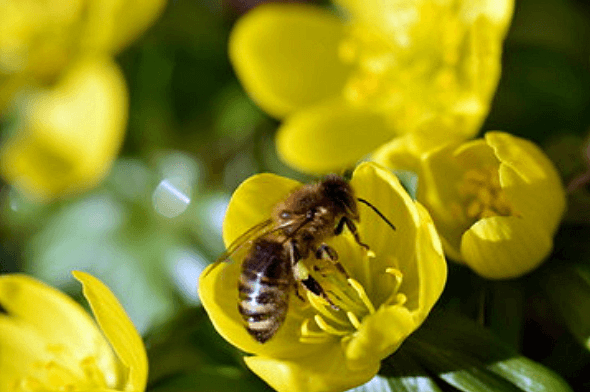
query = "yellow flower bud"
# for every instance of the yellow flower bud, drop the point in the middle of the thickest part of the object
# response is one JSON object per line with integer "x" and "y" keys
{"x": 387, "y": 294}
{"x": 496, "y": 202}
{"x": 49, "y": 343}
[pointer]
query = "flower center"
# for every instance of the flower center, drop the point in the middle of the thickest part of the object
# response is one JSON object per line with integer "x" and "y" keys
{"x": 58, "y": 375}
{"x": 421, "y": 65}
{"x": 482, "y": 195}
{"x": 349, "y": 304}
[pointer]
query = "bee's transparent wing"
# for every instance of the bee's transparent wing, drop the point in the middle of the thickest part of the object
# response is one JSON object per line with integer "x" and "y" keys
{"x": 245, "y": 240}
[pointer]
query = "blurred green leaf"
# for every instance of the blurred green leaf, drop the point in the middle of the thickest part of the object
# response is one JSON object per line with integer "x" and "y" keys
{"x": 471, "y": 359}
{"x": 186, "y": 344}
{"x": 400, "y": 373}
{"x": 568, "y": 289}
{"x": 216, "y": 379}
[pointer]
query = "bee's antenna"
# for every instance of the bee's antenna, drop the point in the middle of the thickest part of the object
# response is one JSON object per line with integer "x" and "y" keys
{"x": 377, "y": 211}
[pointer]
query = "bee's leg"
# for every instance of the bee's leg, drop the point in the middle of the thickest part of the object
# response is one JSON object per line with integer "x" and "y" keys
{"x": 297, "y": 293}
{"x": 312, "y": 285}
{"x": 352, "y": 227}
{"x": 301, "y": 274}
{"x": 325, "y": 252}
{"x": 294, "y": 253}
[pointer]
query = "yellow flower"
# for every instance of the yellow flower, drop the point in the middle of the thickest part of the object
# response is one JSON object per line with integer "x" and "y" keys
{"x": 69, "y": 97}
{"x": 69, "y": 134}
{"x": 49, "y": 343}
{"x": 346, "y": 86}
{"x": 496, "y": 203}
{"x": 389, "y": 294}
{"x": 38, "y": 39}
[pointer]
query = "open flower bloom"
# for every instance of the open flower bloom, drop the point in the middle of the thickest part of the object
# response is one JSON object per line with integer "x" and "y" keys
{"x": 49, "y": 343}
{"x": 68, "y": 96}
{"x": 496, "y": 203}
{"x": 345, "y": 86}
{"x": 390, "y": 291}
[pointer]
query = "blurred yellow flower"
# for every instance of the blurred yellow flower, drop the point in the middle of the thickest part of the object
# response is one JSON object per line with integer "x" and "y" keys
{"x": 390, "y": 292}
{"x": 69, "y": 134}
{"x": 58, "y": 76}
{"x": 49, "y": 343}
{"x": 496, "y": 203}
{"x": 345, "y": 86}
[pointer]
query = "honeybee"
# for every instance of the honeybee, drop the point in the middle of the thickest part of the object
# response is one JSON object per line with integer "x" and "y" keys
{"x": 299, "y": 226}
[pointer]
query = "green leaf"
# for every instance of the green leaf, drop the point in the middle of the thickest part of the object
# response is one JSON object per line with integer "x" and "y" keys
{"x": 470, "y": 358}
{"x": 453, "y": 353}
{"x": 212, "y": 379}
{"x": 186, "y": 343}
{"x": 568, "y": 289}
{"x": 400, "y": 373}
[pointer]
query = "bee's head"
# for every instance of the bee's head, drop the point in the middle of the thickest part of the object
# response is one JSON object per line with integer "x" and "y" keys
{"x": 339, "y": 191}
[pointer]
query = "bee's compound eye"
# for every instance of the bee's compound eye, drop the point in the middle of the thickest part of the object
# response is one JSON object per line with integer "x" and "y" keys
{"x": 285, "y": 215}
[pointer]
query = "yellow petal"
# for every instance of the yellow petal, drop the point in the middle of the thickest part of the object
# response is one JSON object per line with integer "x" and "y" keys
{"x": 438, "y": 192}
{"x": 505, "y": 247}
{"x": 382, "y": 189}
{"x": 529, "y": 179}
{"x": 54, "y": 316}
{"x": 253, "y": 201}
{"x": 21, "y": 346}
{"x": 379, "y": 335}
{"x": 431, "y": 267}
{"x": 111, "y": 25}
{"x": 330, "y": 136}
{"x": 70, "y": 134}
{"x": 398, "y": 154}
{"x": 118, "y": 329}
{"x": 286, "y": 56}
{"x": 326, "y": 371}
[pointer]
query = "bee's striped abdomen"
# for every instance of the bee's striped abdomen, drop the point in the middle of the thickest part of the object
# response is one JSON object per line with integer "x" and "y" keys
{"x": 264, "y": 286}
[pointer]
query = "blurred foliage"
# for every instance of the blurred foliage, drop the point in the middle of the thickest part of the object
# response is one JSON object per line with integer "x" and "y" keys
{"x": 191, "y": 124}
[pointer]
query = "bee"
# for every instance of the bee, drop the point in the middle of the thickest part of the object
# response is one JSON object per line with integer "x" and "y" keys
{"x": 299, "y": 227}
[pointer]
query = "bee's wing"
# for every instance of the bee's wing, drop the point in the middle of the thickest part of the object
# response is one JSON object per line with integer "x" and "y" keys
{"x": 245, "y": 239}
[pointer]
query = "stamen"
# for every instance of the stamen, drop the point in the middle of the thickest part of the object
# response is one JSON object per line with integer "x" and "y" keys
{"x": 395, "y": 297}
{"x": 353, "y": 320}
{"x": 306, "y": 332}
{"x": 62, "y": 373}
{"x": 59, "y": 376}
{"x": 327, "y": 327}
{"x": 483, "y": 195}
{"x": 362, "y": 295}
{"x": 323, "y": 308}
{"x": 401, "y": 298}
{"x": 92, "y": 372}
